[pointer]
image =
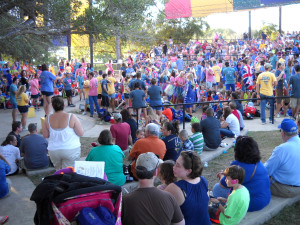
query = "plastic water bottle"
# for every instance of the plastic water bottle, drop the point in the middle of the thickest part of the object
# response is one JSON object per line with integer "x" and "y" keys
{"x": 224, "y": 151}
{"x": 205, "y": 164}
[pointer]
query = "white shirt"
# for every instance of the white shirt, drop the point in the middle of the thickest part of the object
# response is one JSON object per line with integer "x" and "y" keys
{"x": 233, "y": 124}
{"x": 10, "y": 153}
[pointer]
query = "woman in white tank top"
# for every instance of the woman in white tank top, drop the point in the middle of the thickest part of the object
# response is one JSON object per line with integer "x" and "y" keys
{"x": 63, "y": 130}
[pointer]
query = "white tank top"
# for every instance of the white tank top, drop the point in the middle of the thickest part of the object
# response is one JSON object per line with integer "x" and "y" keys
{"x": 63, "y": 139}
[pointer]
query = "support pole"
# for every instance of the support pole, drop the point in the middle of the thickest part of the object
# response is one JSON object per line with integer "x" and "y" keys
{"x": 91, "y": 40}
{"x": 69, "y": 46}
{"x": 280, "y": 20}
{"x": 249, "y": 32}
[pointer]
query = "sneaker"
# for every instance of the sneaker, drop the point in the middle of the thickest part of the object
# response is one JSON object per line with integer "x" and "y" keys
{"x": 72, "y": 105}
{"x": 91, "y": 115}
{"x": 84, "y": 113}
{"x": 270, "y": 121}
{"x": 278, "y": 115}
{"x": 263, "y": 123}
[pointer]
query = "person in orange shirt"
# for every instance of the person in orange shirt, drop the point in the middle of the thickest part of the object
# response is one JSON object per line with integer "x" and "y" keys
{"x": 151, "y": 143}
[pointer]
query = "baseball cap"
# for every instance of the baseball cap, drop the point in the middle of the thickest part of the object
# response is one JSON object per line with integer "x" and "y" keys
{"x": 147, "y": 162}
{"x": 117, "y": 116}
{"x": 288, "y": 125}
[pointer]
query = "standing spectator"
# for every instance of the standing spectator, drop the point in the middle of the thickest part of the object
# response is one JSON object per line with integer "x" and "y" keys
{"x": 138, "y": 100}
{"x": 68, "y": 88}
{"x": 264, "y": 88}
{"x": 93, "y": 94}
{"x": 34, "y": 89}
{"x": 121, "y": 132}
{"x": 34, "y": 150}
{"x": 12, "y": 98}
{"x": 111, "y": 89}
{"x": 283, "y": 165}
{"x": 179, "y": 64}
{"x": 295, "y": 95}
{"x": 47, "y": 79}
{"x": 229, "y": 72}
{"x": 11, "y": 153}
{"x": 80, "y": 81}
{"x": 279, "y": 74}
{"x": 22, "y": 101}
{"x": 209, "y": 75}
{"x": 63, "y": 130}
{"x": 104, "y": 94}
{"x": 210, "y": 128}
{"x": 155, "y": 92}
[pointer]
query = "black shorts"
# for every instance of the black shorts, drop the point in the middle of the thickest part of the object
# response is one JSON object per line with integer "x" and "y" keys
{"x": 68, "y": 93}
{"x": 47, "y": 93}
{"x": 99, "y": 96}
{"x": 35, "y": 96}
{"x": 126, "y": 95}
{"x": 23, "y": 109}
{"x": 105, "y": 101}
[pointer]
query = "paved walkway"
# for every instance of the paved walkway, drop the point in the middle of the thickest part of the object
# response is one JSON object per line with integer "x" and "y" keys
{"x": 18, "y": 206}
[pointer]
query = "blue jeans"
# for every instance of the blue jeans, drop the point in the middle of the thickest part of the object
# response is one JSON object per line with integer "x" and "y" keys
{"x": 93, "y": 100}
{"x": 218, "y": 191}
{"x": 226, "y": 132}
{"x": 263, "y": 103}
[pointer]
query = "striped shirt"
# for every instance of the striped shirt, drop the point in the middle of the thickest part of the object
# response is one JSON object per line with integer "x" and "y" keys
{"x": 198, "y": 142}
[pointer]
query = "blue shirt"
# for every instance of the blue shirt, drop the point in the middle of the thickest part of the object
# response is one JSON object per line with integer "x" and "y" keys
{"x": 195, "y": 206}
{"x": 154, "y": 93}
{"x": 258, "y": 186}
{"x": 228, "y": 72}
{"x": 12, "y": 89}
{"x": 174, "y": 147}
{"x": 295, "y": 82}
{"x": 129, "y": 70}
{"x": 8, "y": 78}
{"x": 179, "y": 64}
{"x": 68, "y": 83}
{"x": 273, "y": 61}
{"x": 137, "y": 98}
{"x": 80, "y": 80}
{"x": 283, "y": 165}
{"x": 4, "y": 169}
{"x": 47, "y": 79}
{"x": 104, "y": 83}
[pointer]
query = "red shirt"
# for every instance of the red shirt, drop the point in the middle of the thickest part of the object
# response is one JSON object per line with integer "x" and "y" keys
{"x": 121, "y": 132}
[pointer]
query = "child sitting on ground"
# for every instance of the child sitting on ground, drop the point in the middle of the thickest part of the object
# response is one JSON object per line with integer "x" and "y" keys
{"x": 204, "y": 112}
{"x": 237, "y": 204}
{"x": 166, "y": 174}
{"x": 186, "y": 143}
{"x": 139, "y": 135}
{"x": 197, "y": 138}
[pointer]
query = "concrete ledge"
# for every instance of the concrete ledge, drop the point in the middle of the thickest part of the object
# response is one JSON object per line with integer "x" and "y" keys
{"x": 275, "y": 206}
{"x": 41, "y": 171}
{"x": 207, "y": 156}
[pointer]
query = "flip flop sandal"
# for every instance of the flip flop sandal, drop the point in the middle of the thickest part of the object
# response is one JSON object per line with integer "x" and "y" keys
{"x": 3, "y": 219}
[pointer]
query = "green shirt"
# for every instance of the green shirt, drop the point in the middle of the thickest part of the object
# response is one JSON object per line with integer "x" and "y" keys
{"x": 113, "y": 156}
{"x": 198, "y": 142}
{"x": 236, "y": 207}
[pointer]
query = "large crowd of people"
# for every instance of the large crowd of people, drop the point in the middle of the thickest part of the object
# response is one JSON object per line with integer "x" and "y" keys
{"x": 151, "y": 82}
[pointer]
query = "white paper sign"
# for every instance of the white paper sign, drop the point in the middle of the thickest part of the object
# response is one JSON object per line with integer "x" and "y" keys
{"x": 91, "y": 169}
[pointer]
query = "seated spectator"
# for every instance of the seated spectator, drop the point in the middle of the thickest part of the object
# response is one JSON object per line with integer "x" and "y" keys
{"x": 139, "y": 135}
{"x": 230, "y": 126}
{"x": 191, "y": 190}
{"x": 247, "y": 156}
{"x": 237, "y": 203}
{"x": 34, "y": 150}
{"x": 186, "y": 143}
{"x": 126, "y": 118}
{"x": 148, "y": 204}
{"x": 11, "y": 153}
{"x": 5, "y": 183}
{"x": 283, "y": 165}
{"x": 172, "y": 141}
{"x": 112, "y": 155}
{"x": 197, "y": 138}
{"x": 151, "y": 143}
{"x": 16, "y": 130}
{"x": 121, "y": 132}
{"x": 210, "y": 128}
{"x": 166, "y": 174}
{"x": 167, "y": 111}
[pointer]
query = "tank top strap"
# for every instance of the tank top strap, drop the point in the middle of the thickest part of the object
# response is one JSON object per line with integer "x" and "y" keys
{"x": 70, "y": 114}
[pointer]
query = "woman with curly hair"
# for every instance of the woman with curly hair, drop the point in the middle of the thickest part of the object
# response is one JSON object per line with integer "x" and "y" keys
{"x": 247, "y": 156}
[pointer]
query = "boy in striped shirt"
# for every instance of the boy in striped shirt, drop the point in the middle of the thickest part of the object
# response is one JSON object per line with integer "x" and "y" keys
{"x": 197, "y": 138}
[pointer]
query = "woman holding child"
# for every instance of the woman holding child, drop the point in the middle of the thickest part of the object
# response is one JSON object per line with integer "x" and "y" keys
{"x": 191, "y": 190}
{"x": 247, "y": 156}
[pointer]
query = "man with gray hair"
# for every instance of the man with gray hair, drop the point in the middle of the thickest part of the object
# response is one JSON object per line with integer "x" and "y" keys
{"x": 151, "y": 143}
{"x": 34, "y": 150}
{"x": 283, "y": 165}
{"x": 148, "y": 204}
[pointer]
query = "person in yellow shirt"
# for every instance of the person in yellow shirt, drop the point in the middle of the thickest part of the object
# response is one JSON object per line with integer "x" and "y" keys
{"x": 111, "y": 89}
{"x": 217, "y": 72}
{"x": 99, "y": 79}
{"x": 22, "y": 102}
{"x": 264, "y": 88}
{"x": 86, "y": 88}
